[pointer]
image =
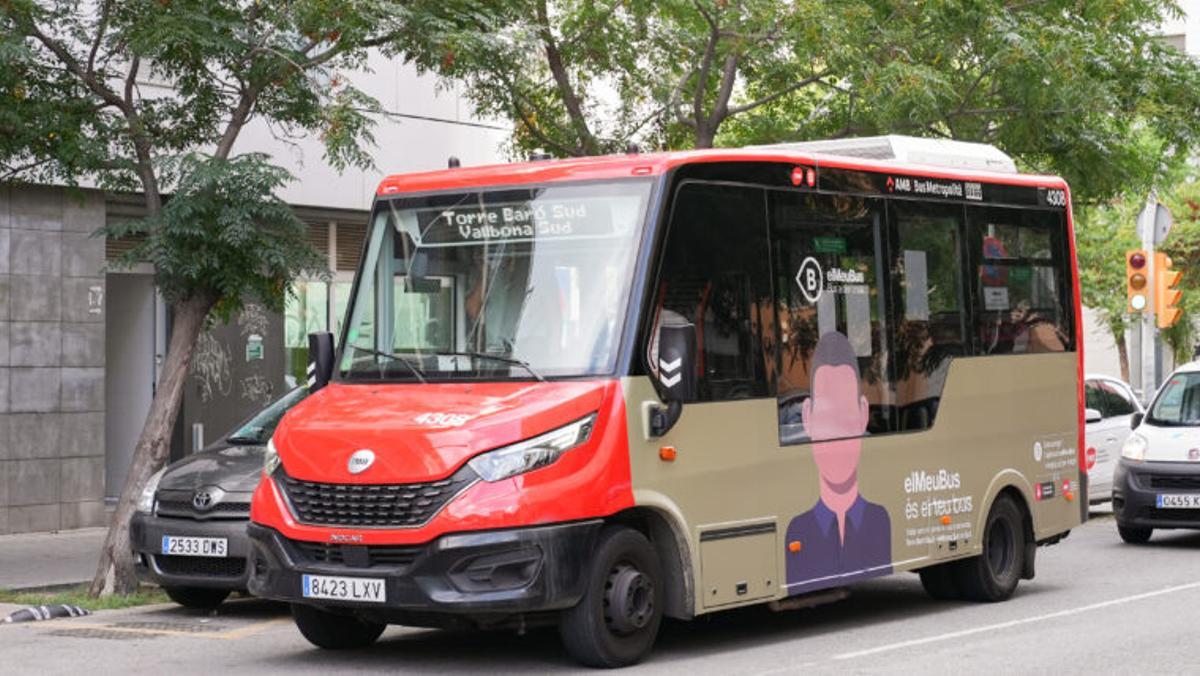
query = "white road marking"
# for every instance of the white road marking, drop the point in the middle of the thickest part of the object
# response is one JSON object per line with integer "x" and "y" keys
{"x": 1015, "y": 623}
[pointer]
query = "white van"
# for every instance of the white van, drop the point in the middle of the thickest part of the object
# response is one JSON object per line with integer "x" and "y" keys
{"x": 1157, "y": 481}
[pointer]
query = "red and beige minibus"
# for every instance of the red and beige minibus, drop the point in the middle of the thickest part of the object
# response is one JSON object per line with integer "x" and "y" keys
{"x": 596, "y": 392}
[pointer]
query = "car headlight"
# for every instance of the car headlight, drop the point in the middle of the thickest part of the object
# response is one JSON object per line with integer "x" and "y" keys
{"x": 1134, "y": 448}
{"x": 145, "y": 503}
{"x": 531, "y": 454}
{"x": 270, "y": 458}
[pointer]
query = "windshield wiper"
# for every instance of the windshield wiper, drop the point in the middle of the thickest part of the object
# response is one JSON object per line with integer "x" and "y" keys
{"x": 495, "y": 357}
{"x": 388, "y": 355}
{"x": 244, "y": 441}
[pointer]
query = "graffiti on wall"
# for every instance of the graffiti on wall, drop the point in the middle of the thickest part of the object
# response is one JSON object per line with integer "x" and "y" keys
{"x": 211, "y": 367}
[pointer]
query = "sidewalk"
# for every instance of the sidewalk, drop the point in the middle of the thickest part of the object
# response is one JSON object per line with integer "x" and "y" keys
{"x": 30, "y": 560}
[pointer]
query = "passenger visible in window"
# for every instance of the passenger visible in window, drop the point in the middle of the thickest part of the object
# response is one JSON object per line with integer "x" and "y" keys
{"x": 843, "y": 537}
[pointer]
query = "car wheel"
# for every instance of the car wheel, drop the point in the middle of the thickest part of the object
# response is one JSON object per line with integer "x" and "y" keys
{"x": 199, "y": 598}
{"x": 993, "y": 575}
{"x": 939, "y": 582}
{"x": 616, "y": 621}
{"x": 1134, "y": 536}
{"x": 332, "y": 631}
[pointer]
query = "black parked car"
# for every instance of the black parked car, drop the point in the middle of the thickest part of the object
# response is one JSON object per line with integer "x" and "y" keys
{"x": 189, "y": 532}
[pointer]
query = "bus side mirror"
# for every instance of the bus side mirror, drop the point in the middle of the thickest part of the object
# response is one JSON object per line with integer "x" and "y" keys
{"x": 676, "y": 371}
{"x": 320, "y": 360}
{"x": 1135, "y": 420}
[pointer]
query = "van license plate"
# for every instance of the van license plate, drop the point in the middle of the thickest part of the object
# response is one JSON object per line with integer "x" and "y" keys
{"x": 361, "y": 589}
{"x": 189, "y": 546}
{"x": 1185, "y": 501}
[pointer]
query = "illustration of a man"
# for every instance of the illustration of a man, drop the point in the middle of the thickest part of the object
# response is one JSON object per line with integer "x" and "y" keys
{"x": 844, "y": 537}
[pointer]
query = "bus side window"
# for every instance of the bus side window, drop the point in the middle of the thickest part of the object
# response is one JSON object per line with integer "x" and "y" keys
{"x": 1020, "y": 282}
{"x": 714, "y": 274}
{"x": 829, "y": 269}
{"x": 927, "y": 305}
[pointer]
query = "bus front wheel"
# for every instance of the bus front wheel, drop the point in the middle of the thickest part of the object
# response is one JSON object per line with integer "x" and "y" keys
{"x": 616, "y": 621}
{"x": 993, "y": 575}
{"x": 332, "y": 631}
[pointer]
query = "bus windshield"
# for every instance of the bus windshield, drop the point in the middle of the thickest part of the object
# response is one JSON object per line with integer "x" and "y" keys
{"x": 507, "y": 283}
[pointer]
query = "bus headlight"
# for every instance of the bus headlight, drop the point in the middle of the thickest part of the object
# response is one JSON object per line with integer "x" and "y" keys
{"x": 145, "y": 503}
{"x": 270, "y": 458}
{"x": 1134, "y": 448}
{"x": 531, "y": 454}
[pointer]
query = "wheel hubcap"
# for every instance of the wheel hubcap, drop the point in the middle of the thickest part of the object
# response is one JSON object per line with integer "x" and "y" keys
{"x": 628, "y": 599}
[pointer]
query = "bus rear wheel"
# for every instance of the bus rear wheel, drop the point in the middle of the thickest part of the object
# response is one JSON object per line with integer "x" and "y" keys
{"x": 616, "y": 621}
{"x": 993, "y": 575}
{"x": 332, "y": 631}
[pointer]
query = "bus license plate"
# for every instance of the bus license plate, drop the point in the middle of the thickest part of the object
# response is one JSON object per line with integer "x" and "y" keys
{"x": 1185, "y": 501}
{"x": 365, "y": 590}
{"x": 191, "y": 546}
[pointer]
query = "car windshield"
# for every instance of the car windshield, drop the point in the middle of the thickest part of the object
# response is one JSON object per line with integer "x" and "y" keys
{"x": 259, "y": 429}
{"x": 1178, "y": 403}
{"x": 509, "y": 283}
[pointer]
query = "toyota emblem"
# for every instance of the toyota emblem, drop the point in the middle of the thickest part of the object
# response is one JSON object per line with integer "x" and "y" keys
{"x": 202, "y": 500}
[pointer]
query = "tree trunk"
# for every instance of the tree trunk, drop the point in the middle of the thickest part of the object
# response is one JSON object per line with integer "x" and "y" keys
{"x": 115, "y": 572}
{"x": 1122, "y": 354}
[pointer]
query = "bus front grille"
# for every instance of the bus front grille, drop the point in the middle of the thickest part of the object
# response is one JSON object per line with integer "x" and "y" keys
{"x": 371, "y": 505}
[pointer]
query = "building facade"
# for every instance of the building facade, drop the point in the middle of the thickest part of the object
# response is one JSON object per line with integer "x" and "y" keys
{"x": 81, "y": 343}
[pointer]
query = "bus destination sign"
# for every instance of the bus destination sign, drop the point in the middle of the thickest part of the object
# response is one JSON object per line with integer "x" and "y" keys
{"x": 515, "y": 222}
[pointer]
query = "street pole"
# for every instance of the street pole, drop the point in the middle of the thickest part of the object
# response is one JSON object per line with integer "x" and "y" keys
{"x": 1153, "y": 225}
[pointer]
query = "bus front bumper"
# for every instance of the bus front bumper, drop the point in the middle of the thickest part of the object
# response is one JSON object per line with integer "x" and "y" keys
{"x": 481, "y": 574}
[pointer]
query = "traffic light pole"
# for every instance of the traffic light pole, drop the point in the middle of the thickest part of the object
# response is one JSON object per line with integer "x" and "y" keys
{"x": 1143, "y": 322}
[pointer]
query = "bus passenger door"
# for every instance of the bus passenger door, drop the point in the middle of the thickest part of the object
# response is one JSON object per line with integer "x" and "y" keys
{"x": 713, "y": 288}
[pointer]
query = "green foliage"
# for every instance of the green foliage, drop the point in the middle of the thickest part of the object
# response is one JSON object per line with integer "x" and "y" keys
{"x": 1183, "y": 246}
{"x": 1082, "y": 89}
{"x": 80, "y": 98}
{"x": 223, "y": 235}
{"x": 1103, "y": 234}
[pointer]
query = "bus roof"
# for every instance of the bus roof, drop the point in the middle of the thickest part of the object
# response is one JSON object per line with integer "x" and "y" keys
{"x": 655, "y": 164}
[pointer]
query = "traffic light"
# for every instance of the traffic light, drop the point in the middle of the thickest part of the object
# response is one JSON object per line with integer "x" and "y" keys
{"x": 1166, "y": 296}
{"x": 1135, "y": 280}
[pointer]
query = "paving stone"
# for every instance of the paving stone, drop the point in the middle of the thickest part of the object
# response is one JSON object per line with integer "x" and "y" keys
{"x": 35, "y": 344}
{"x": 34, "y": 435}
{"x": 33, "y": 518}
{"x": 82, "y": 389}
{"x": 82, "y": 344}
{"x": 33, "y": 390}
{"x": 34, "y": 482}
{"x": 82, "y": 479}
{"x": 35, "y": 298}
{"x": 35, "y": 252}
{"x": 35, "y": 208}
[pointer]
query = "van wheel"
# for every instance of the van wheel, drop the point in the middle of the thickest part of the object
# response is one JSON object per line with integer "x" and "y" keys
{"x": 332, "y": 631}
{"x": 993, "y": 575}
{"x": 939, "y": 582}
{"x": 616, "y": 621}
{"x": 1134, "y": 536}
{"x": 198, "y": 598}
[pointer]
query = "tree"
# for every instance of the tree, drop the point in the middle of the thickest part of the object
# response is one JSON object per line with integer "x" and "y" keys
{"x": 1103, "y": 233}
{"x": 73, "y": 108}
{"x": 1084, "y": 90}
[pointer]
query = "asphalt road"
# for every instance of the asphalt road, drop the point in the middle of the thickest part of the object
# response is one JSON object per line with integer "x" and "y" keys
{"x": 1097, "y": 605}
